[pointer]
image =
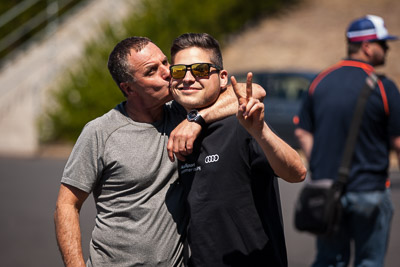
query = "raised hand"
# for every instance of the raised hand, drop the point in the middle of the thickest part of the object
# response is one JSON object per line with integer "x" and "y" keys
{"x": 251, "y": 110}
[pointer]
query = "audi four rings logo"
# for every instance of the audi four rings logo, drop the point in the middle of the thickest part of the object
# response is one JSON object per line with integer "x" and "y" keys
{"x": 211, "y": 158}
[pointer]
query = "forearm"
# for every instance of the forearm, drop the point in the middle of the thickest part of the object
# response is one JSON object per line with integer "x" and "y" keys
{"x": 396, "y": 147}
{"x": 306, "y": 141}
{"x": 226, "y": 105}
{"x": 66, "y": 219}
{"x": 284, "y": 160}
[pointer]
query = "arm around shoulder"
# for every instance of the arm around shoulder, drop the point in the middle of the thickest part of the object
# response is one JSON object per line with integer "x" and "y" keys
{"x": 181, "y": 139}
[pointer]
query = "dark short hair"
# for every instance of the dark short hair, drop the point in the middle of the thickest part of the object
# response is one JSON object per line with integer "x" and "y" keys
{"x": 118, "y": 64}
{"x": 353, "y": 48}
{"x": 201, "y": 40}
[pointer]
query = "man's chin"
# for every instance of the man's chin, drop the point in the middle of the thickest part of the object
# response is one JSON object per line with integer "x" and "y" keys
{"x": 188, "y": 105}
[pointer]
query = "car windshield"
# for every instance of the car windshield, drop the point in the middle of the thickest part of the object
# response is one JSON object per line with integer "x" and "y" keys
{"x": 285, "y": 91}
{"x": 286, "y": 86}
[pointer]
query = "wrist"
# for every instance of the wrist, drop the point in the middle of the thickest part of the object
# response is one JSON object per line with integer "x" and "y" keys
{"x": 194, "y": 116}
{"x": 262, "y": 134}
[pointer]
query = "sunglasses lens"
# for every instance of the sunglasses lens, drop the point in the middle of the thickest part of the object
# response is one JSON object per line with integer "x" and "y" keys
{"x": 200, "y": 70}
{"x": 383, "y": 44}
{"x": 178, "y": 71}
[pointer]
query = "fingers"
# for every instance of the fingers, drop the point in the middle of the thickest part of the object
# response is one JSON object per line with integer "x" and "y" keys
{"x": 170, "y": 145}
{"x": 256, "y": 109}
{"x": 180, "y": 157}
{"x": 249, "y": 88}
{"x": 181, "y": 140}
{"x": 241, "y": 93}
{"x": 253, "y": 105}
{"x": 179, "y": 146}
{"x": 235, "y": 86}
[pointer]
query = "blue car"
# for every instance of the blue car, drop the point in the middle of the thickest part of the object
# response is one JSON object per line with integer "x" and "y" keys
{"x": 285, "y": 91}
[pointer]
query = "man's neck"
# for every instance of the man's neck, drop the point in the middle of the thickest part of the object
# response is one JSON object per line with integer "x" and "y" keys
{"x": 140, "y": 114}
{"x": 359, "y": 56}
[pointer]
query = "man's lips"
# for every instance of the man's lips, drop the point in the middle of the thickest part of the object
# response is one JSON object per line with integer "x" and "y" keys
{"x": 188, "y": 88}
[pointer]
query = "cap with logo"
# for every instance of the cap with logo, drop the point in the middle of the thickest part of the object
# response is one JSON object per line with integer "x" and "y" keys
{"x": 368, "y": 28}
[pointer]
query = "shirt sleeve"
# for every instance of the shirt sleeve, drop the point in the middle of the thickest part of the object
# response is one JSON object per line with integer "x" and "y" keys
{"x": 177, "y": 109}
{"x": 84, "y": 164}
{"x": 306, "y": 114}
{"x": 393, "y": 98}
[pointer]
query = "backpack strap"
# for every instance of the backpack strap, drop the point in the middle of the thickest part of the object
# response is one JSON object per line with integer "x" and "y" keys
{"x": 344, "y": 169}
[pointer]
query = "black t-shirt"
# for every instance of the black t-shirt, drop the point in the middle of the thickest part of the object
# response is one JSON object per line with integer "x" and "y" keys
{"x": 233, "y": 200}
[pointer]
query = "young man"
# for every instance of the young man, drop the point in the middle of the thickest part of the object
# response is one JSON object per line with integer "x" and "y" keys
{"x": 229, "y": 179}
{"x": 121, "y": 158}
{"x": 325, "y": 121}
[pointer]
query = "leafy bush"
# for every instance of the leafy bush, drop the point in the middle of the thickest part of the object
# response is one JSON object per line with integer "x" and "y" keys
{"x": 90, "y": 90}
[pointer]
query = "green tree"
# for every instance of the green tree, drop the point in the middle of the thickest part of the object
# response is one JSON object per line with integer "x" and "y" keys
{"x": 90, "y": 91}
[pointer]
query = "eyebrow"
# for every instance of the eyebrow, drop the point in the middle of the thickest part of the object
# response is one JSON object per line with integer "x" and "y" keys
{"x": 151, "y": 65}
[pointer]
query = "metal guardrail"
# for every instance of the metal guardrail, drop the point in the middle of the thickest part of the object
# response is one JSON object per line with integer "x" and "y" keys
{"x": 28, "y": 77}
{"x": 16, "y": 11}
{"x": 48, "y": 15}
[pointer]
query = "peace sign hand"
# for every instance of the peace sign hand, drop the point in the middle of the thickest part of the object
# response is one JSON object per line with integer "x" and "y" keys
{"x": 250, "y": 111}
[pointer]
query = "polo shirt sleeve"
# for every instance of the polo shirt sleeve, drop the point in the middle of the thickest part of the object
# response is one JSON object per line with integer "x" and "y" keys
{"x": 305, "y": 115}
{"x": 393, "y": 98}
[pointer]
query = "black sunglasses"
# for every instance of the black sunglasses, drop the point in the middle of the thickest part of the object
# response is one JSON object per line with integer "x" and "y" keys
{"x": 197, "y": 70}
{"x": 382, "y": 44}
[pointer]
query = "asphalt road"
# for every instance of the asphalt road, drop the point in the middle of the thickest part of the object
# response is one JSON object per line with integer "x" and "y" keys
{"x": 28, "y": 194}
{"x": 301, "y": 246}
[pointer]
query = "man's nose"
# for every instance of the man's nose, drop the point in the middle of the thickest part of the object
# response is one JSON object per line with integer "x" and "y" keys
{"x": 189, "y": 76}
{"x": 166, "y": 74}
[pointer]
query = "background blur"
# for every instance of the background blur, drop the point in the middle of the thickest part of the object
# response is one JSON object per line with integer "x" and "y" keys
{"x": 57, "y": 80}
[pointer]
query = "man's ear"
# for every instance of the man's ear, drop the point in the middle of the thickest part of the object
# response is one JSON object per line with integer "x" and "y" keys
{"x": 126, "y": 88}
{"x": 223, "y": 78}
{"x": 367, "y": 49}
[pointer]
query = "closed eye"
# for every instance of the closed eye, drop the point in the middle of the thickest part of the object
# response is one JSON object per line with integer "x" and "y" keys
{"x": 151, "y": 71}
